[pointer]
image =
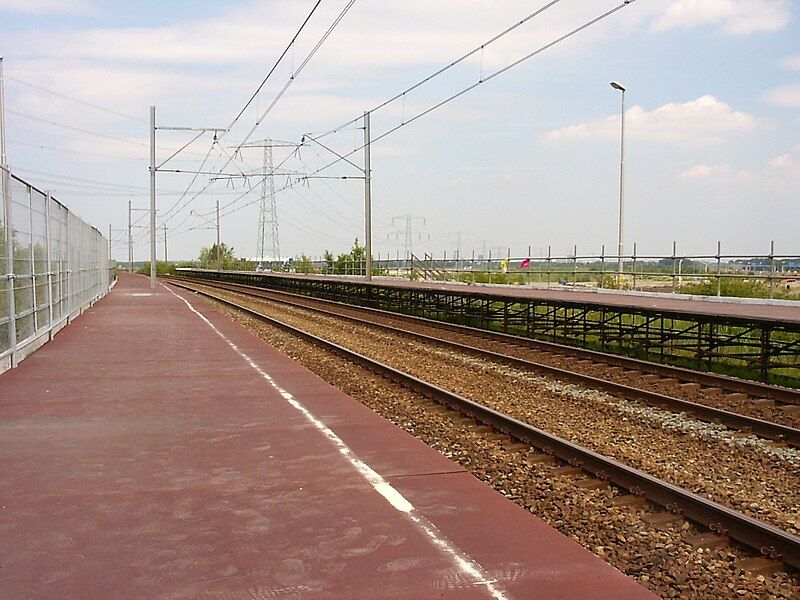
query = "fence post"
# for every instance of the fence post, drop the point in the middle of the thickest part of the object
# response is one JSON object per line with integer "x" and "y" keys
{"x": 719, "y": 268}
{"x": 49, "y": 261}
{"x": 68, "y": 273}
{"x": 528, "y": 268}
{"x": 549, "y": 266}
{"x": 9, "y": 266}
{"x": 772, "y": 269}
{"x": 674, "y": 265}
{"x": 472, "y": 267}
{"x": 575, "y": 267}
{"x": 602, "y": 265}
{"x": 634, "y": 266}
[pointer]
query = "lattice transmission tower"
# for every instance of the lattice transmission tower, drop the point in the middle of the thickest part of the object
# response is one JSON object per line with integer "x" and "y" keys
{"x": 268, "y": 247}
{"x": 413, "y": 226}
{"x": 268, "y": 234}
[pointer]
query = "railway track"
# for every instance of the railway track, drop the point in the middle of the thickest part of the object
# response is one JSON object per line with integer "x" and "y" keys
{"x": 778, "y": 433}
{"x": 722, "y": 521}
{"x": 788, "y": 398}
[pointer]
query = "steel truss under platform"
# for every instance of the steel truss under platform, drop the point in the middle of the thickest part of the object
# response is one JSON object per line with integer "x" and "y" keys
{"x": 754, "y": 348}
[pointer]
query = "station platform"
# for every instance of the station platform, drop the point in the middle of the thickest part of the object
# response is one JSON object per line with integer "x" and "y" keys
{"x": 157, "y": 449}
{"x": 751, "y": 309}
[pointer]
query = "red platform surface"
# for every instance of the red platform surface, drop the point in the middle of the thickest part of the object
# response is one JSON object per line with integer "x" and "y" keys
{"x": 146, "y": 454}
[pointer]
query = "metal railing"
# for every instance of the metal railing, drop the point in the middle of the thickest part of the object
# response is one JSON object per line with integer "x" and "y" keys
{"x": 53, "y": 266}
{"x": 769, "y": 275}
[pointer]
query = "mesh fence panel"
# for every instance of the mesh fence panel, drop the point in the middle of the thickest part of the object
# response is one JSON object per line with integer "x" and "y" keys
{"x": 52, "y": 264}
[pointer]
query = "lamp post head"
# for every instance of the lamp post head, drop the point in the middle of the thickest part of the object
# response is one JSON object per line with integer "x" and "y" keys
{"x": 618, "y": 86}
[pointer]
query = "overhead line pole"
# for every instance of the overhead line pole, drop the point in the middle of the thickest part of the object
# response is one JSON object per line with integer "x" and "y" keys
{"x": 152, "y": 197}
{"x": 130, "y": 238}
{"x": 219, "y": 260}
{"x": 621, "y": 237}
{"x": 166, "y": 259}
{"x": 367, "y": 198}
{"x": 154, "y": 168}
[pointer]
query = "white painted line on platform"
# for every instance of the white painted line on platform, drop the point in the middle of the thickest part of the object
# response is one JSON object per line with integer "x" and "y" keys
{"x": 463, "y": 561}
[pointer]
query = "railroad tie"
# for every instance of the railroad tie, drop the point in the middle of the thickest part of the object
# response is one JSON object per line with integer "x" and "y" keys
{"x": 708, "y": 540}
{"x": 540, "y": 459}
{"x": 760, "y": 565}
{"x": 764, "y": 402}
{"x": 711, "y": 391}
{"x": 592, "y": 484}
{"x": 631, "y": 500}
{"x": 514, "y": 446}
{"x": 662, "y": 520}
{"x": 567, "y": 471}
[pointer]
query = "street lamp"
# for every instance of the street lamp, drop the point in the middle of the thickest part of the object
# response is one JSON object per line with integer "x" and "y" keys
{"x": 618, "y": 86}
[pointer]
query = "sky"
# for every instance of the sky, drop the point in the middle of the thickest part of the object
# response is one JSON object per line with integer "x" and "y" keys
{"x": 527, "y": 159}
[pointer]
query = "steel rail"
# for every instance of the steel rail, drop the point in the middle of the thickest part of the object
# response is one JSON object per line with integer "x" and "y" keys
{"x": 765, "y": 538}
{"x": 760, "y": 427}
{"x": 755, "y": 389}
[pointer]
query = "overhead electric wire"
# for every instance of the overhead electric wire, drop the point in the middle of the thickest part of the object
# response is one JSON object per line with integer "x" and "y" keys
{"x": 71, "y": 99}
{"x": 80, "y": 179}
{"x": 279, "y": 95}
{"x": 452, "y": 64}
{"x": 176, "y": 207}
{"x": 70, "y": 151}
{"x": 82, "y": 183}
{"x": 191, "y": 183}
{"x": 275, "y": 66}
{"x": 78, "y": 129}
{"x": 458, "y": 94}
{"x": 481, "y": 81}
{"x": 344, "y": 225}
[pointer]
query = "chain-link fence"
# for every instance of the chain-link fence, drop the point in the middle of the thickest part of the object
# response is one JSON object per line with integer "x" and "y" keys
{"x": 53, "y": 265}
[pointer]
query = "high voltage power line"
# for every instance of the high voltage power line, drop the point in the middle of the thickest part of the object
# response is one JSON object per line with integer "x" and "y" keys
{"x": 234, "y": 205}
{"x": 482, "y": 80}
{"x": 277, "y": 97}
{"x": 452, "y": 64}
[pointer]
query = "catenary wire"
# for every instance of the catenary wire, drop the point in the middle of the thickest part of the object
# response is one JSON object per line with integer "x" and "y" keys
{"x": 458, "y": 94}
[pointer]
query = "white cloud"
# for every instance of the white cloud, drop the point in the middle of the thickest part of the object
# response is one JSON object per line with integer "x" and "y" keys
{"x": 46, "y": 6}
{"x": 395, "y": 33}
{"x": 702, "y": 121}
{"x": 791, "y": 62}
{"x": 786, "y": 163}
{"x": 733, "y": 17}
{"x": 783, "y": 162}
{"x": 780, "y": 174}
{"x": 718, "y": 173}
{"x": 787, "y": 96}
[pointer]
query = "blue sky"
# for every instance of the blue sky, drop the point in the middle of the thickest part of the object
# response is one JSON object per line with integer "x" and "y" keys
{"x": 527, "y": 159}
